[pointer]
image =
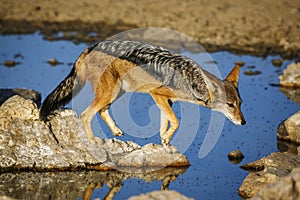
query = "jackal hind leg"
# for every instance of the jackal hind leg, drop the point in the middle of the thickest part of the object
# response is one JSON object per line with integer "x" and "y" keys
{"x": 166, "y": 132}
{"x": 105, "y": 95}
{"x": 101, "y": 106}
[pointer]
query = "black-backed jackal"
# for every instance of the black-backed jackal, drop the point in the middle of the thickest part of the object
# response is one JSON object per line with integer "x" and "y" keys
{"x": 119, "y": 66}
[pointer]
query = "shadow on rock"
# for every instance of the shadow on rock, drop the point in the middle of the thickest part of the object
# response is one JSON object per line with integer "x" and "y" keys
{"x": 292, "y": 93}
{"x": 24, "y": 93}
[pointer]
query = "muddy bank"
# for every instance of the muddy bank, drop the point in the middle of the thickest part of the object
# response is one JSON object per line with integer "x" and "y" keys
{"x": 258, "y": 28}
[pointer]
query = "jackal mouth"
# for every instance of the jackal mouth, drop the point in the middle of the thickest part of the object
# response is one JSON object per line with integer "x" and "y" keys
{"x": 243, "y": 122}
{"x": 236, "y": 121}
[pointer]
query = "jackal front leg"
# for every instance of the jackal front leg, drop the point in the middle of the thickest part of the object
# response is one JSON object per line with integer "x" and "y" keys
{"x": 165, "y": 132}
{"x": 164, "y": 122}
{"x": 86, "y": 118}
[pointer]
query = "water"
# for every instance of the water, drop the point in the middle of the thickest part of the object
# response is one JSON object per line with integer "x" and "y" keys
{"x": 210, "y": 177}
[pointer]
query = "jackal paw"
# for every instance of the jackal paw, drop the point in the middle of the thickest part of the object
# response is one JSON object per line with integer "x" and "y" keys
{"x": 98, "y": 140}
{"x": 117, "y": 132}
{"x": 95, "y": 140}
{"x": 165, "y": 142}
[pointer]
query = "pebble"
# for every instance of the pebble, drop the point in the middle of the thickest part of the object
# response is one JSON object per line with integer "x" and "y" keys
{"x": 236, "y": 156}
{"x": 11, "y": 63}
{"x": 277, "y": 62}
{"x": 252, "y": 73}
{"x": 53, "y": 62}
{"x": 240, "y": 63}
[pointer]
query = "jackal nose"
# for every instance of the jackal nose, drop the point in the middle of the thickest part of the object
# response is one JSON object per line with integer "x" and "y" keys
{"x": 243, "y": 122}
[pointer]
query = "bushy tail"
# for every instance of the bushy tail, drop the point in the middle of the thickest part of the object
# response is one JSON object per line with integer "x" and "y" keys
{"x": 66, "y": 90}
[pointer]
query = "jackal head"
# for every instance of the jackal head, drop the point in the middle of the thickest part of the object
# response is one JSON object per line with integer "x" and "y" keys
{"x": 225, "y": 97}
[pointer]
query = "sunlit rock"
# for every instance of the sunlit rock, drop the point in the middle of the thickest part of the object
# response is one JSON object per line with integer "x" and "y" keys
{"x": 153, "y": 155}
{"x": 61, "y": 143}
{"x": 267, "y": 170}
{"x": 291, "y": 76}
{"x": 287, "y": 187}
{"x": 290, "y": 128}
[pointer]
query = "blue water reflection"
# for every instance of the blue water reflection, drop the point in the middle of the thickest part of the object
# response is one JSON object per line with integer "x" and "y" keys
{"x": 211, "y": 177}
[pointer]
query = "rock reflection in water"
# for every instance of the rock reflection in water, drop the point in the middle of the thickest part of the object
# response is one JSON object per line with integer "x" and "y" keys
{"x": 291, "y": 93}
{"x": 74, "y": 185}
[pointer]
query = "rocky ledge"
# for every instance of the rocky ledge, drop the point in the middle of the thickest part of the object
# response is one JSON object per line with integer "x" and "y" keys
{"x": 26, "y": 143}
{"x": 289, "y": 82}
{"x": 289, "y": 129}
{"x": 291, "y": 76}
{"x": 268, "y": 170}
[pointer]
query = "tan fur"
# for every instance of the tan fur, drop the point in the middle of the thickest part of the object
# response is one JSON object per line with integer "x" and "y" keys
{"x": 166, "y": 76}
{"x": 106, "y": 80}
{"x": 233, "y": 76}
{"x": 108, "y": 75}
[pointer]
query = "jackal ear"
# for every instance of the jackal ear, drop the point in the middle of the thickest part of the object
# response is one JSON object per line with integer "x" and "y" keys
{"x": 233, "y": 76}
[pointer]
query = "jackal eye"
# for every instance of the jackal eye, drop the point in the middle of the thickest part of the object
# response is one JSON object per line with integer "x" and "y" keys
{"x": 230, "y": 105}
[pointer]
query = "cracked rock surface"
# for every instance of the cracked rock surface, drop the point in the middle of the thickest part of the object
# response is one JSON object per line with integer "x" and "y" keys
{"x": 289, "y": 129}
{"x": 61, "y": 144}
{"x": 285, "y": 188}
{"x": 291, "y": 76}
{"x": 289, "y": 82}
{"x": 266, "y": 170}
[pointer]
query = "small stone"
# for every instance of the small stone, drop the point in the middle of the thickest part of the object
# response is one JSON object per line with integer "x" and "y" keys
{"x": 277, "y": 62}
{"x": 11, "y": 63}
{"x": 252, "y": 73}
{"x": 240, "y": 63}
{"x": 235, "y": 157}
{"x": 53, "y": 62}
